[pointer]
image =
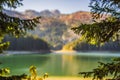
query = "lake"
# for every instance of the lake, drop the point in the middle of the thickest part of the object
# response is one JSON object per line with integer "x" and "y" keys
{"x": 56, "y": 64}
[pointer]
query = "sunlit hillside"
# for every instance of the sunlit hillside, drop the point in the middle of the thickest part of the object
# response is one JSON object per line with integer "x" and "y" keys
{"x": 55, "y": 28}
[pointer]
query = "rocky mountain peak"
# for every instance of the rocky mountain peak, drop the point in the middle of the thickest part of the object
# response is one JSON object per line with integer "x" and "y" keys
{"x": 56, "y": 12}
{"x": 31, "y": 13}
{"x": 48, "y": 13}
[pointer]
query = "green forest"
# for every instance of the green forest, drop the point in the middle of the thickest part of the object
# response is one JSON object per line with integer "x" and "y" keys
{"x": 27, "y": 44}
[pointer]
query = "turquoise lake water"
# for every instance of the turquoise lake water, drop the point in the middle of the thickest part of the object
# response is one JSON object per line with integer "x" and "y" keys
{"x": 56, "y": 64}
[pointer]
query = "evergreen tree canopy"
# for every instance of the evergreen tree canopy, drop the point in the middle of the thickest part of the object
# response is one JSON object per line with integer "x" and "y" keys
{"x": 12, "y": 25}
{"x": 102, "y": 30}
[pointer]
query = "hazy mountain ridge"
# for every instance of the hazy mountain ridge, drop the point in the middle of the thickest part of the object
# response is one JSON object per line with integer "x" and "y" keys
{"x": 77, "y": 18}
{"x": 13, "y": 13}
{"x": 44, "y": 13}
{"x": 80, "y": 15}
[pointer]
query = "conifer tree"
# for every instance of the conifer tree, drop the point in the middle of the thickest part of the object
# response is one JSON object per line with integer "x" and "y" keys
{"x": 101, "y": 31}
{"x": 12, "y": 25}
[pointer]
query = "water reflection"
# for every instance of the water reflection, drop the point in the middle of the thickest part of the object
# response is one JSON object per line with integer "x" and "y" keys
{"x": 19, "y": 64}
{"x": 69, "y": 64}
{"x": 54, "y": 64}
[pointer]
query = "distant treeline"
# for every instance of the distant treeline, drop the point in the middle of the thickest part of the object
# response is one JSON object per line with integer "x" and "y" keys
{"x": 27, "y": 44}
{"x": 79, "y": 45}
{"x": 110, "y": 46}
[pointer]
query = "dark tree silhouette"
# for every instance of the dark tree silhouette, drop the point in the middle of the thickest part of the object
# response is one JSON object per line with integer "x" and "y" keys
{"x": 104, "y": 30}
{"x": 101, "y": 31}
{"x": 12, "y": 25}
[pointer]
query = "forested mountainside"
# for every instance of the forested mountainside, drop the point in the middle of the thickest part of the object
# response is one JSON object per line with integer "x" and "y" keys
{"x": 80, "y": 45}
{"x": 27, "y": 44}
{"x": 55, "y": 27}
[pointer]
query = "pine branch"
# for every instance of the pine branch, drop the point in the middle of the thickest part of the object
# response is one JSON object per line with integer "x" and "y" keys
{"x": 16, "y": 26}
{"x": 99, "y": 31}
{"x": 105, "y": 70}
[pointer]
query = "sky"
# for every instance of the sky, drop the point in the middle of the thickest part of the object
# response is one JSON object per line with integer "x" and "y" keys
{"x": 64, "y": 6}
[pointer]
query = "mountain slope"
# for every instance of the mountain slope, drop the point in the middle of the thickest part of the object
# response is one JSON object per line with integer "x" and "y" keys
{"x": 55, "y": 28}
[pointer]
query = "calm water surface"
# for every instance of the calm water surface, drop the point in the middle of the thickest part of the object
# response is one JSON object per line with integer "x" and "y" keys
{"x": 55, "y": 64}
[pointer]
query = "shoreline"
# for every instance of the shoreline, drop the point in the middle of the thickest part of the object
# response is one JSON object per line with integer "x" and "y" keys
{"x": 26, "y": 52}
{"x": 64, "y": 51}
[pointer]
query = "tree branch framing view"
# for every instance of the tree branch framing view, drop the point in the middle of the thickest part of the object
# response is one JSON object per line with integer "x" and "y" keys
{"x": 104, "y": 27}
